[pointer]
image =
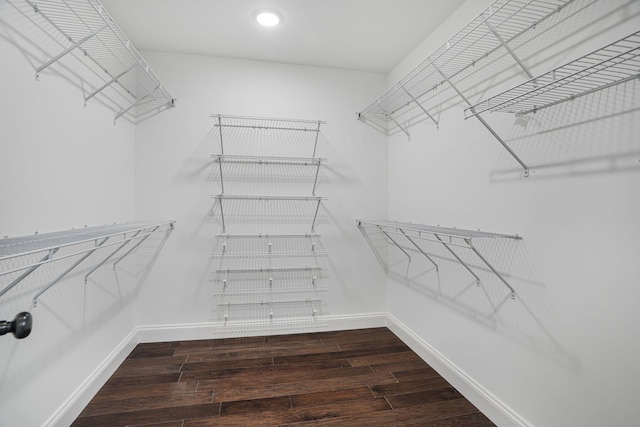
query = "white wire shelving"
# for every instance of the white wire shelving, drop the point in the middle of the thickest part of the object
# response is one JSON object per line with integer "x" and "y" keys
{"x": 268, "y": 281}
{"x": 614, "y": 64}
{"x": 47, "y": 248}
{"x": 494, "y": 34}
{"x": 113, "y": 68}
{"x": 448, "y": 238}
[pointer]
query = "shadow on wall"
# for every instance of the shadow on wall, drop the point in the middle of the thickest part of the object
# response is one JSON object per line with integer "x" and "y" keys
{"x": 526, "y": 319}
{"x": 593, "y": 134}
{"x": 73, "y": 309}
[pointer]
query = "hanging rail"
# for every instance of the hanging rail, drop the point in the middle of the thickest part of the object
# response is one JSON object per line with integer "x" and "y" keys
{"x": 90, "y": 33}
{"x": 447, "y": 237}
{"x": 611, "y": 65}
{"x": 52, "y": 243}
{"x": 496, "y": 32}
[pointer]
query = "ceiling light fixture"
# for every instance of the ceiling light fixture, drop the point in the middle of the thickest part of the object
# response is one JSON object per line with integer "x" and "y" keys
{"x": 268, "y": 18}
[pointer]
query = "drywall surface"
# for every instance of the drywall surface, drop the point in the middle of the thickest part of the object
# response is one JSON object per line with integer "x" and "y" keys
{"x": 61, "y": 166}
{"x": 565, "y": 351}
{"x": 176, "y": 177}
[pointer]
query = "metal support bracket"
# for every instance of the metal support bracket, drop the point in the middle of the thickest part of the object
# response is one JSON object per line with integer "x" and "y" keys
{"x": 419, "y": 249}
{"x": 11, "y": 285}
{"x": 66, "y": 51}
{"x": 424, "y": 110}
{"x": 109, "y": 83}
{"x": 502, "y": 279}
{"x": 486, "y": 125}
{"x": 86, "y": 277}
{"x": 315, "y": 216}
{"x": 133, "y": 248}
{"x": 511, "y": 52}
{"x": 395, "y": 243}
{"x": 64, "y": 273}
{"x": 458, "y": 258}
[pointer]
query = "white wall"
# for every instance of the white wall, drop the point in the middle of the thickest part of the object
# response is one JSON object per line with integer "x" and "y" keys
{"x": 61, "y": 166}
{"x": 565, "y": 351}
{"x": 175, "y": 178}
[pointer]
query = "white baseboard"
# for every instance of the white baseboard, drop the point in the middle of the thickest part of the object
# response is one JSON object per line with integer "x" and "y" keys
{"x": 72, "y": 407}
{"x": 484, "y": 400}
{"x": 200, "y": 331}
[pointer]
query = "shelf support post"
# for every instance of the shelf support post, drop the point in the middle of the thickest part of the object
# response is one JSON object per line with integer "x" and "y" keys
{"x": 486, "y": 125}
{"x": 424, "y": 110}
{"x": 502, "y": 279}
{"x": 419, "y": 248}
{"x": 395, "y": 243}
{"x": 86, "y": 277}
{"x": 11, "y": 285}
{"x": 224, "y": 226}
{"x": 64, "y": 273}
{"x": 67, "y": 50}
{"x": 458, "y": 258}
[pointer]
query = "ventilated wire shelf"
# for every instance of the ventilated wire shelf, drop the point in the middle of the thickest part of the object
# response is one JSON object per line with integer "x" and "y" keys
{"x": 269, "y": 212}
{"x": 495, "y": 33}
{"x": 266, "y": 123}
{"x": 267, "y": 313}
{"x": 267, "y": 160}
{"x": 277, "y": 138}
{"x": 451, "y": 239}
{"x": 614, "y": 64}
{"x": 45, "y": 248}
{"x": 269, "y": 246}
{"x": 115, "y": 69}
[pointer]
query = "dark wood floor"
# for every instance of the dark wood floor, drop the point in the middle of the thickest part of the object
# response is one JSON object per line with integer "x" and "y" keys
{"x": 365, "y": 377}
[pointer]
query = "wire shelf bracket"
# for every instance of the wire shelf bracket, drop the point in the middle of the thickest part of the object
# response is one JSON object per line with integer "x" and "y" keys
{"x": 86, "y": 26}
{"x": 447, "y": 237}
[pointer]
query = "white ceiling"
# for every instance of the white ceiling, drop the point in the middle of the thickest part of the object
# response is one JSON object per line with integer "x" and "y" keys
{"x": 365, "y": 35}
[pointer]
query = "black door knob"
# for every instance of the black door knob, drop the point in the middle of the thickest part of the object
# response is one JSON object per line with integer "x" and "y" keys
{"x": 20, "y": 327}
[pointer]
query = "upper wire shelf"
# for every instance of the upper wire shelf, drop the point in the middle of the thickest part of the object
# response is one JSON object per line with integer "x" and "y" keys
{"x": 84, "y": 29}
{"x": 266, "y": 123}
{"x": 611, "y": 65}
{"x": 490, "y": 35}
{"x": 449, "y": 238}
{"x": 49, "y": 246}
{"x": 267, "y": 160}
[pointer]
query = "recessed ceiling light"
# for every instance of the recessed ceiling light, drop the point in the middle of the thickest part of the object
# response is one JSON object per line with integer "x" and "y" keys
{"x": 268, "y": 18}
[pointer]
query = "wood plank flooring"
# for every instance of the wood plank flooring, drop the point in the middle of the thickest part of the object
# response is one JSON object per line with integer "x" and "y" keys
{"x": 365, "y": 377}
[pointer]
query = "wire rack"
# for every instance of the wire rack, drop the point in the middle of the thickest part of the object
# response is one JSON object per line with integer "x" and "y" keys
{"x": 230, "y": 121}
{"x": 45, "y": 248}
{"x": 115, "y": 69}
{"x": 401, "y": 234}
{"x": 495, "y": 33}
{"x": 614, "y": 64}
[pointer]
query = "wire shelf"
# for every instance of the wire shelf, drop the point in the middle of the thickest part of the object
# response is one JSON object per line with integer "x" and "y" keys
{"x": 614, "y": 64}
{"x": 84, "y": 29}
{"x": 48, "y": 248}
{"x": 491, "y": 35}
{"x": 273, "y": 123}
{"x": 268, "y": 160}
{"x": 449, "y": 238}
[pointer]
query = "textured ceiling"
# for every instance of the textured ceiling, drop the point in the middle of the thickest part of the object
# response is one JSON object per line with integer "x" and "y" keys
{"x": 364, "y": 35}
